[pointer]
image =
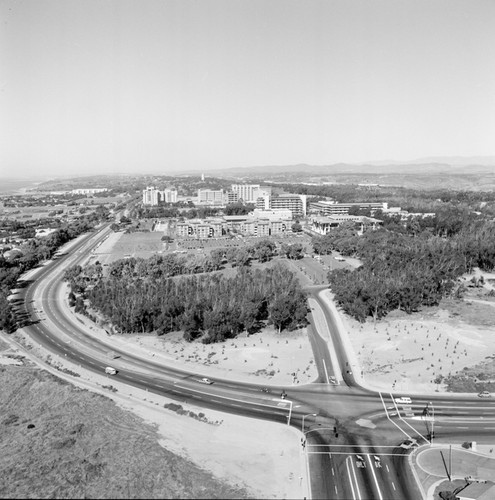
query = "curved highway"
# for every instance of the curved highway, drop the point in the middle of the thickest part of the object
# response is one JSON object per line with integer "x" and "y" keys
{"x": 351, "y": 434}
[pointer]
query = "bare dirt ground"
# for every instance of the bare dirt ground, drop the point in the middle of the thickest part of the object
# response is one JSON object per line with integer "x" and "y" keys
{"x": 414, "y": 353}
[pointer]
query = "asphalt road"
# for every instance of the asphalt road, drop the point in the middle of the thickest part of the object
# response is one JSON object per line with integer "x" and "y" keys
{"x": 351, "y": 435}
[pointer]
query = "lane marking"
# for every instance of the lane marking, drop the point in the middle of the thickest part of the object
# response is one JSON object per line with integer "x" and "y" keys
{"x": 326, "y": 371}
{"x": 386, "y": 411}
{"x": 374, "y": 477}
{"x": 407, "y": 423}
{"x": 355, "y": 479}
{"x": 350, "y": 478}
{"x": 345, "y": 453}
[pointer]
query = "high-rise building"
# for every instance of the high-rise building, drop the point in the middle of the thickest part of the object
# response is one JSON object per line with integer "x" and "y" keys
{"x": 170, "y": 196}
{"x": 153, "y": 196}
{"x": 248, "y": 193}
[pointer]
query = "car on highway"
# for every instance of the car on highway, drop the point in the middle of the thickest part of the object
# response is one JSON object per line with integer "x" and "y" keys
{"x": 408, "y": 444}
{"x": 484, "y": 394}
{"x": 110, "y": 371}
{"x": 404, "y": 400}
{"x": 205, "y": 380}
{"x": 360, "y": 462}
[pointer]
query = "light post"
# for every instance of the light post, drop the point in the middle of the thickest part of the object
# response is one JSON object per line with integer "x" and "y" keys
{"x": 427, "y": 417}
{"x": 432, "y": 421}
{"x": 304, "y": 416}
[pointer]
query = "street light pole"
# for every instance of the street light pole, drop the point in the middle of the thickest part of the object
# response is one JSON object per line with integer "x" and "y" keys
{"x": 432, "y": 421}
{"x": 304, "y": 416}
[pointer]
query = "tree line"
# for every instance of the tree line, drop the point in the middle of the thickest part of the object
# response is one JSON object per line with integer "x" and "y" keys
{"x": 405, "y": 270}
{"x": 212, "y": 306}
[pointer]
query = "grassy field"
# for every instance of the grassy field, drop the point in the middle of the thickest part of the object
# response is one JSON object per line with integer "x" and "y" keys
{"x": 59, "y": 441}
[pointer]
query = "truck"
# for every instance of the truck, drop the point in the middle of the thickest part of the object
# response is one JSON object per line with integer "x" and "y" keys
{"x": 110, "y": 371}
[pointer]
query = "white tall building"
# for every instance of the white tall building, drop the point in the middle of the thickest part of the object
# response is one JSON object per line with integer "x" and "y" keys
{"x": 246, "y": 192}
{"x": 153, "y": 196}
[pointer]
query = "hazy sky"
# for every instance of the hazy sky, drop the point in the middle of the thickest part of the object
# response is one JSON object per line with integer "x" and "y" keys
{"x": 159, "y": 86}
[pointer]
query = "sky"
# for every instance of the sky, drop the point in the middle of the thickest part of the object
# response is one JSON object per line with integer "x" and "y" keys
{"x": 145, "y": 86}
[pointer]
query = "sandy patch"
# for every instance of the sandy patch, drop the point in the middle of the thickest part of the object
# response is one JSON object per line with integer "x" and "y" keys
{"x": 265, "y": 357}
{"x": 406, "y": 353}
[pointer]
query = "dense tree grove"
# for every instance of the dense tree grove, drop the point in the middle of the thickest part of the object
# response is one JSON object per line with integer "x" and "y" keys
{"x": 406, "y": 270}
{"x": 212, "y": 306}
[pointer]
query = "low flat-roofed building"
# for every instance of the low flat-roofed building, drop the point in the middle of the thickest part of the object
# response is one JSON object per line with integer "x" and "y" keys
{"x": 333, "y": 208}
{"x": 323, "y": 225}
{"x": 88, "y": 190}
{"x": 272, "y": 214}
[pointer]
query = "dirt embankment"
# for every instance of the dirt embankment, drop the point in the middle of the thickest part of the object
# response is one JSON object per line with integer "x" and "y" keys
{"x": 59, "y": 441}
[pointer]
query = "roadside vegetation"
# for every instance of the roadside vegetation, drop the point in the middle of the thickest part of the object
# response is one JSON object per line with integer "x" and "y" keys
{"x": 32, "y": 253}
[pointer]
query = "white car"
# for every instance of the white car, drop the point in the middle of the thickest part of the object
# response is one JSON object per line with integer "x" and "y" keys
{"x": 403, "y": 400}
{"x": 484, "y": 394}
{"x": 408, "y": 444}
{"x": 205, "y": 380}
{"x": 360, "y": 462}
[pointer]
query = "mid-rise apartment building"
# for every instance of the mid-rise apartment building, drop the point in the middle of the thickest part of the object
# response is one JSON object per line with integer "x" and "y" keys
{"x": 210, "y": 197}
{"x": 296, "y": 203}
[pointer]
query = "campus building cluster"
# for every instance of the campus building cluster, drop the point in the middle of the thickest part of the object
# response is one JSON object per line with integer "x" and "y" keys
{"x": 257, "y": 223}
{"x": 261, "y": 196}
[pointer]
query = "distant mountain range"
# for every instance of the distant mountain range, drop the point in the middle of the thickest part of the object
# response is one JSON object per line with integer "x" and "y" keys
{"x": 458, "y": 161}
{"x": 458, "y": 173}
{"x": 434, "y": 165}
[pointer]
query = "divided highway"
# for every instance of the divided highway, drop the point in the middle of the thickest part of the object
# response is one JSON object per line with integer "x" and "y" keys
{"x": 350, "y": 434}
